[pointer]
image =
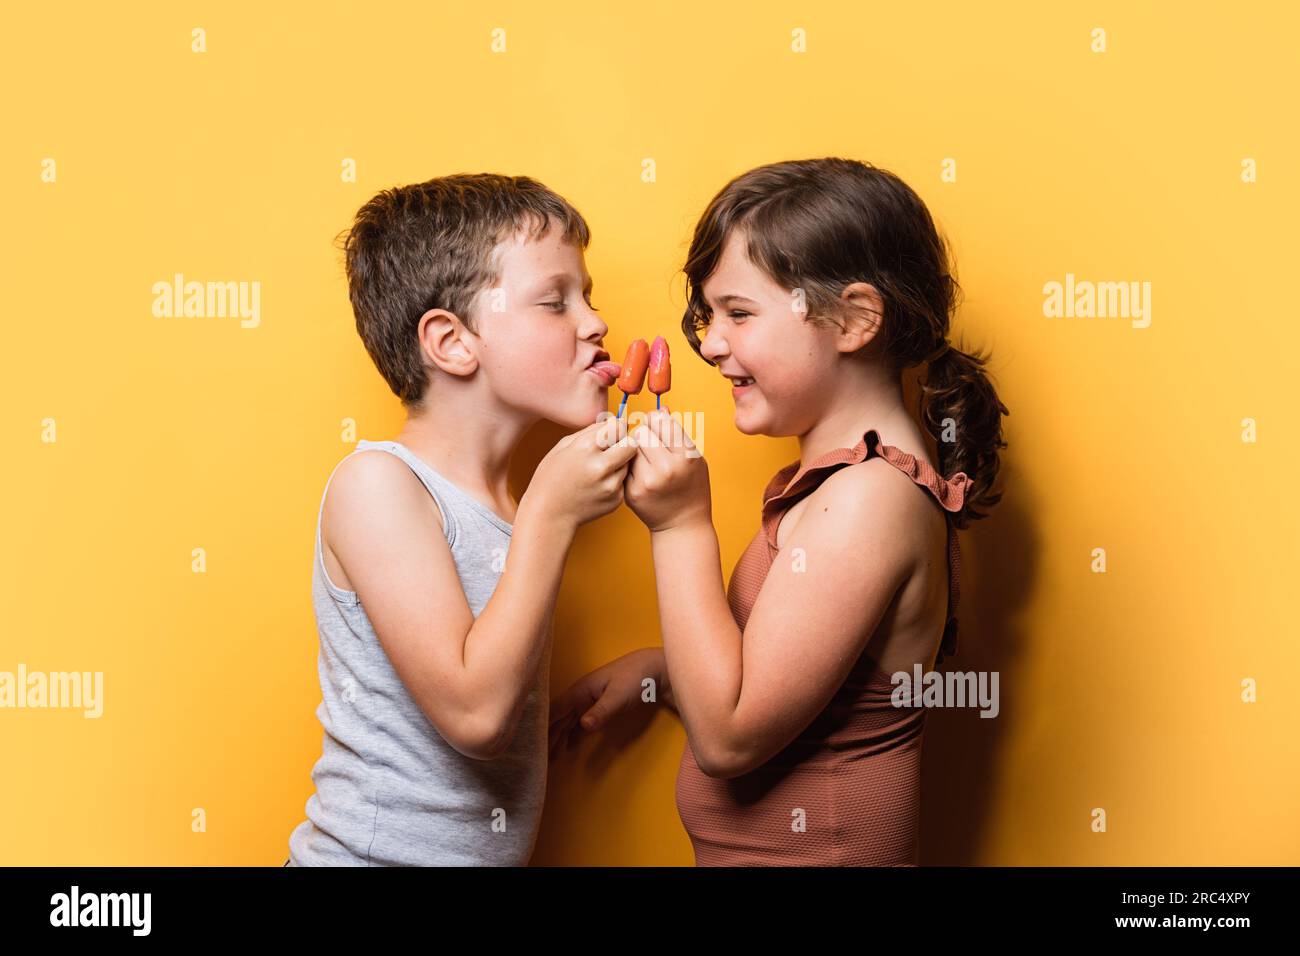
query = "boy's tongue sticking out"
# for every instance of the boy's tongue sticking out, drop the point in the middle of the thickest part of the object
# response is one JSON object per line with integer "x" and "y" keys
{"x": 605, "y": 370}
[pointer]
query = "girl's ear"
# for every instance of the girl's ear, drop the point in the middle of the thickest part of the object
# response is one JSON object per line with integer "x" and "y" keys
{"x": 862, "y": 308}
{"x": 446, "y": 342}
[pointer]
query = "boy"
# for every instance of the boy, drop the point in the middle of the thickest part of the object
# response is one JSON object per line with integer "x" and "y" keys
{"x": 433, "y": 590}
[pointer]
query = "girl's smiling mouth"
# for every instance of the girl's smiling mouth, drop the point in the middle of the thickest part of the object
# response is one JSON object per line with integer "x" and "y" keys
{"x": 740, "y": 384}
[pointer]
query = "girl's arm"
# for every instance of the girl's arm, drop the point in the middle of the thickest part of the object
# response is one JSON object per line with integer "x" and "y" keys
{"x": 827, "y": 590}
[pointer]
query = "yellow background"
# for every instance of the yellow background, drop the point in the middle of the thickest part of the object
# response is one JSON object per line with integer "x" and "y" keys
{"x": 1119, "y": 690}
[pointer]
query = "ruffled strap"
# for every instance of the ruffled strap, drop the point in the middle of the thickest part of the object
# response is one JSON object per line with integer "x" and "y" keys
{"x": 792, "y": 483}
{"x": 951, "y": 495}
{"x": 949, "y": 492}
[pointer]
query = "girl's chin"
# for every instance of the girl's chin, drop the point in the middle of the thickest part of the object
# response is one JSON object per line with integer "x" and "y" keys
{"x": 749, "y": 424}
{"x": 750, "y": 421}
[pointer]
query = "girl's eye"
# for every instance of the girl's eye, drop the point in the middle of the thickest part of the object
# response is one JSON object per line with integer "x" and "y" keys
{"x": 737, "y": 314}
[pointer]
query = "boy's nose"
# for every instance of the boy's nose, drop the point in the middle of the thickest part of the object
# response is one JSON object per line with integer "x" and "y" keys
{"x": 593, "y": 327}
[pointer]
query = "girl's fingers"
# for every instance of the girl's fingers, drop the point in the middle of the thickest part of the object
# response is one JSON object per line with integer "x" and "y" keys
{"x": 574, "y": 700}
{"x": 562, "y": 705}
{"x": 680, "y": 442}
{"x": 669, "y": 432}
{"x": 557, "y": 733}
{"x": 599, "y": 713}
{"x": 683, "y": 440}
{"x": 659, "y": 423}
{"x": 650, "y": 440}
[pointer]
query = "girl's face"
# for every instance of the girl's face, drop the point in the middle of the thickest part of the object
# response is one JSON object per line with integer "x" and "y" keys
{"x": 783, "y": 367}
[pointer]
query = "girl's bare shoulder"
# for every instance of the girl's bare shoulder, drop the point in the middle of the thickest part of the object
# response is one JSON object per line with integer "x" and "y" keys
{"x": 881, "y": 503}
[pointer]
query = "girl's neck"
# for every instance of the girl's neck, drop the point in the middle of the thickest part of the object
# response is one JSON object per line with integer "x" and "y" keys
{"x": 866, "y": 401}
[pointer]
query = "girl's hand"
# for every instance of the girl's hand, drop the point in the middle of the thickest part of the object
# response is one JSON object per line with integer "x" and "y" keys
{"x": 668, "y": 482}
{"x": 607, "y": 691}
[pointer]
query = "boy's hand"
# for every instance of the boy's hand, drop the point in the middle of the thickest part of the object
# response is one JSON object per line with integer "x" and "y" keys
{"x": 607, "y": 691}
{"x": 581, "y": 478}
{"x": 666, "y": 487}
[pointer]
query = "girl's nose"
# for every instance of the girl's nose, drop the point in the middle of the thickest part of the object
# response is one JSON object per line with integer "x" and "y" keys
{"x": 714, "y": 346}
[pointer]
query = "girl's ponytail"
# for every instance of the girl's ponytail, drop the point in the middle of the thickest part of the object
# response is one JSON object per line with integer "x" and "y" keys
{"x": 818, "y": 225}
{"x": 961, "y": 409}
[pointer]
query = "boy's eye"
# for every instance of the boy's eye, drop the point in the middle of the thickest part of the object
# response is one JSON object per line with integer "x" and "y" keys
{"x": 552, "y": 305}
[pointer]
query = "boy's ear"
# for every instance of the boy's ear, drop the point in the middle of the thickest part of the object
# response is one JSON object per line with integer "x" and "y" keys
{"x": 444, "y": 340}
{"x": 862, "y": 309}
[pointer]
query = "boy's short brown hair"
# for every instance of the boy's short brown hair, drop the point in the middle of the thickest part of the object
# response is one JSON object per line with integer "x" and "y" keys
{"x": 430, "y": 245}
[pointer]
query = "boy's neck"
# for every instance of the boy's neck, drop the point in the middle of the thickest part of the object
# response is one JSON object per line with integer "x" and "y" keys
{"x": 470, "y": 446}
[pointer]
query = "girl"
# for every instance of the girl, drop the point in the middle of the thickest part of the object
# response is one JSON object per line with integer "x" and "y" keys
{"x": 815, "y": 285}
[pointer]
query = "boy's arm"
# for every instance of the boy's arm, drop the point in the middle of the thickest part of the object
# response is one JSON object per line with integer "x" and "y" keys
{"x": 469, "y": 676}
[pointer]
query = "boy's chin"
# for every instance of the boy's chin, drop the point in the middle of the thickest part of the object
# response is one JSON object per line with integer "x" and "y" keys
{"x": 579, "y": 413}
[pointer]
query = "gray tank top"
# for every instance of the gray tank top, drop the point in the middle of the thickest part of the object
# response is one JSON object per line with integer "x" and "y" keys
{"x": 390, "y": 791}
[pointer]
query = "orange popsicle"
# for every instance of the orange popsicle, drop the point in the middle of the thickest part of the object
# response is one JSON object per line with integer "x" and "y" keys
{"x": 634, "y": 367}
{"x": 661, "y": 370}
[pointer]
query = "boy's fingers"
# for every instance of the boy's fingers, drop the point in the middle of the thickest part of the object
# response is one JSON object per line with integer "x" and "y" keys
{"x": 599, "y": 432}
{"x": 610, "y": 431}
{"x": 647, "y": 443}
{"x": 622, "y": 453}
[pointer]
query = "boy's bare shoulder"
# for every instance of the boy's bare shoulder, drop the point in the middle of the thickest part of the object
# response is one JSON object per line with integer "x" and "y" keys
{"x": 373, "y": 482}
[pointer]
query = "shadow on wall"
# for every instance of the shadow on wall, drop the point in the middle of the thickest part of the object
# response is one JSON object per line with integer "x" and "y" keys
{"x": 961, "y": 756}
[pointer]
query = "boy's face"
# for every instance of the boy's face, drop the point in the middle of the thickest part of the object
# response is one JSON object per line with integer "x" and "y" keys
{"x": 539, "y": 335}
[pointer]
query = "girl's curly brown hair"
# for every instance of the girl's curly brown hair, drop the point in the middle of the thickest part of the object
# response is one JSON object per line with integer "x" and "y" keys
{"x": 822, "y": 224}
